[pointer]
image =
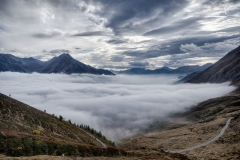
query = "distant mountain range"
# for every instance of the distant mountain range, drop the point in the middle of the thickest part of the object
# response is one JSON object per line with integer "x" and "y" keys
{"x": 166, "y": 70}
{"x": 61, "y": 64}
{"x": 226, "y": 69}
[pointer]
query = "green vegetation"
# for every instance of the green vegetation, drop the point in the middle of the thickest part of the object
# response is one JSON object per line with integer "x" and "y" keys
{"x": 2, "y": 142}
{"x": 15, "y": 146}
{"x": 36, "y": 132}
{"x": 60, "y": 118}
{"x": 39, "y": 147}
{"x": 96, "y": 133}
{"x": 29, "y": 146}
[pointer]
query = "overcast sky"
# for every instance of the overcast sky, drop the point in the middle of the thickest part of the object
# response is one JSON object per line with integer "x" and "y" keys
{"x": 120, "y": 34}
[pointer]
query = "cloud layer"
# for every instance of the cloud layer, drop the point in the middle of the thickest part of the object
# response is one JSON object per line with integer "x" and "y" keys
{"x": 119, "y": 106}
{"x": 114, "y": 34}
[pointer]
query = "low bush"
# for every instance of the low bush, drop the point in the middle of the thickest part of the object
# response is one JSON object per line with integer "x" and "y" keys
{"x": 15, "y": 147}
{"x": 2, "y": 143}
{"x": 39, "y": 147}
{"x": 36, "y": 132}
{"x": 28, "y": 145}
{"x": 52, "y": 147}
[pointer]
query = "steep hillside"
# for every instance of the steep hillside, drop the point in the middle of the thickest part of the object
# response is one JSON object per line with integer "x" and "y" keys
{"x": 197, "y": 125}
{"x": 61, "y": 64}
{"x": 226, "y": 69}
{"x": 22, "y": 127}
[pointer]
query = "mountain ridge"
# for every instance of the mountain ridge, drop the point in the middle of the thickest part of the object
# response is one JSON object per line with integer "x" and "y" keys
{"x": 64, "y": 63}
{"x": 166, "y": 70}
{"x": 225, "y": 69}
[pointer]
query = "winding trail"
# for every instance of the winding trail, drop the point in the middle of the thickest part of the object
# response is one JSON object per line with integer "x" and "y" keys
{"x": 208, "y": 142}
{"x": 102, "y": 144}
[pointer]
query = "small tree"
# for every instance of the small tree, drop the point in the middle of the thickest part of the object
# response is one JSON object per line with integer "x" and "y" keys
{"x": 60, "y": 118}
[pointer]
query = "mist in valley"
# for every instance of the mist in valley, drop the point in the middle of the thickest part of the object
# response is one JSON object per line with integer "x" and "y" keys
{"x": 118, "y": 106}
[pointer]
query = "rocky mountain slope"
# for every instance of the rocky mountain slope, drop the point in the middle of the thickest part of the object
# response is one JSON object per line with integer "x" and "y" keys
{"x": 226, "y": 69}
{"x": 61, "y": 64}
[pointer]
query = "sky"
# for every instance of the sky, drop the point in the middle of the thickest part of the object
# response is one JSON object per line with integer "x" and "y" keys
{"x": 118, "y": 106}
{"x": 121, "y": 34}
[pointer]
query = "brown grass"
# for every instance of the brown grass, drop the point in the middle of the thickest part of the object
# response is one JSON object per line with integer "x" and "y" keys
{"x": 202, "y": 123}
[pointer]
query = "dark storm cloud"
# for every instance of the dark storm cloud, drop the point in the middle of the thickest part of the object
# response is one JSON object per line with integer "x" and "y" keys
{"x": 235, "y": 1}
{"x": 4, "y": 4}
{"x": 217, "y": 2}
{"x": 117, "y": 58}
{"x": 46, "y": 35}
{"x": 173, "y": 47}
{"x": 94, "y": 33}
{"x": 59, "y": 51}
{"x": 52, "y": 53}
{"x": 122, "y": 15}
{"x": 204, "y": 39}
{"x": 13, "y": 50}
{"x": 77, "y": 48}
{"x": 116, "y": 41}
{"x": 138, "y": 64}
{"x": 231, "y": 29}
{"x": 190, "y": 23}
{"x": 144, "y": 54}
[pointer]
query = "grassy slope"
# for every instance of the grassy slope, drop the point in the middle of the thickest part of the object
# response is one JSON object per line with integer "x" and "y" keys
{"x": 196, "y": 126}
{"x": 18, "y": 118}
{"x": 18, "y": 121}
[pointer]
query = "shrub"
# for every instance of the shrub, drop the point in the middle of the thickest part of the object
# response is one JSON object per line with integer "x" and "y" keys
{"x": 15, "y": 146}
{"x": 28, "y": 144}
{"x": 52, "y": 146}
{"x": 39, "y": 147}
{"x": 61, "y": 149}
{"x": 2, "y": 143}
{"x": 84, "y": 151}
{"x": 36, "y": 132}
{"x": 60, "y": 118}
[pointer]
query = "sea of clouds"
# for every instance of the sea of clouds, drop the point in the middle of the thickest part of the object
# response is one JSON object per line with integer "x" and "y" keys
{"x": 119, "y": 106}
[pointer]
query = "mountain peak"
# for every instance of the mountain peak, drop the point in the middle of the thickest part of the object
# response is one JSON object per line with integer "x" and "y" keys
{"x": 165, "y": 67}
{"x": 65, "y": 55}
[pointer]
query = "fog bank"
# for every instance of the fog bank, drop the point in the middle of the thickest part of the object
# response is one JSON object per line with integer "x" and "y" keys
{"x": 119, "y": 105}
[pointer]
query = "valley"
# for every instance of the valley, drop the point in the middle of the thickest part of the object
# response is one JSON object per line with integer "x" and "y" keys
{"x": 200, "y": 124}
{"x": 119, "y": 79}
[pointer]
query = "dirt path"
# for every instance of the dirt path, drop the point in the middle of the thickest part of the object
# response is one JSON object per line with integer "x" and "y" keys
{"x": 102, "y": 144}
{"x": 208, "y": 142}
